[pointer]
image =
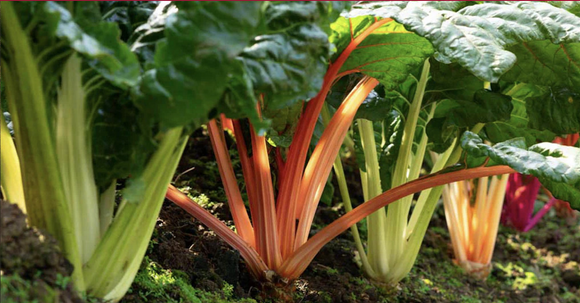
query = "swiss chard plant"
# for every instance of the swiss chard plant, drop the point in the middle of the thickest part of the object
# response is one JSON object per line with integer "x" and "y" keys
{"x": 459, "y": 46}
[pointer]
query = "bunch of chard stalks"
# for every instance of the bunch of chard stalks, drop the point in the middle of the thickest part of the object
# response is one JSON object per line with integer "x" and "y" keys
{"x": 472, "y": 211}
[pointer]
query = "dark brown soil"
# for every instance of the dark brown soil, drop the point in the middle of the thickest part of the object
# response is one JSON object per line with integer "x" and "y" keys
{"x": 33, "y": 268}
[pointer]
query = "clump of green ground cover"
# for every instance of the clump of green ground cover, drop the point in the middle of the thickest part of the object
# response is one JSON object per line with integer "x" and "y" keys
{"x": 156, "y": 284}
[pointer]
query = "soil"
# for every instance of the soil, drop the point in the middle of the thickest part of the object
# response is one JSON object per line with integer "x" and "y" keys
{"x": 540, "y": 266}
{"x": 32, "y": 266}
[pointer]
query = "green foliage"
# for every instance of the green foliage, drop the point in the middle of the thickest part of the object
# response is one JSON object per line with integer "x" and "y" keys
{"x": 554, "y": 109}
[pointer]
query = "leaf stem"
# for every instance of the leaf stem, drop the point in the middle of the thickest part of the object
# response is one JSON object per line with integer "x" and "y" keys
{"x": 236, "y": 204}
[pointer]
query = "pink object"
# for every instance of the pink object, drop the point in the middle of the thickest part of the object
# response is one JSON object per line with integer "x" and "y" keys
{"x": 521, "y": 194}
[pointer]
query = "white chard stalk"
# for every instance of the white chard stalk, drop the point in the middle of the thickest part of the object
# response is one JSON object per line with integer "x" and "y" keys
{"x": 75, "y": 159}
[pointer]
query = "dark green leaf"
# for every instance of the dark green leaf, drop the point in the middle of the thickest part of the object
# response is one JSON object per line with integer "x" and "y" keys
{"x": 288, "y": 62}
{"x": 194, "y": 60}
{"x": 571, "y": 6}
{"x": 283, "y": 124}
{"x": 239, "y": 100}
{"x": 393, "y": 129}
{"x": 127, "y": 14}
{"x": 454, "y": 116}
{"x": 556, "y": 110}
{"x": 122, "y": 140}
{"x": 546, "y": 63}
{"x": 519, "y": 123}
{"x": 99, "y": 43}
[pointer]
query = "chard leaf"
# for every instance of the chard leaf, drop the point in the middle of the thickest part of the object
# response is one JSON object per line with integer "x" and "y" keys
{"x": 451, "y": 81}
{"x": 556, "y": 166}
{"x": 239, "y": 100}
{"x": 393, "y": 129}
{"x": 455, "y": 116}
{"x": 478, "y": 37}
{"x": 147, "y": 35}
{"x": 128, "y": 15}
{"x": 540, "y": 113}
{"x": 555, "y": 109}
{"x": 122, "y": 139}
{"x": 194, "y": 59}
{"x": 376, "y": 106}
{"x": 99, "y": 43}
{"x": 546, "y": 63}
{"x": 571, "y": 6}
{"x": 518, "y": 124}
{"x": 287, "y": 62}
{"x": 282, "y": 128}
{"x": 388, "y": 54}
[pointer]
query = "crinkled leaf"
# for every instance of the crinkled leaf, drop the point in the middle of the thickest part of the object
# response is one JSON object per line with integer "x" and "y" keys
{"x": 451, "y": 81}
{"x": 145, "y": 37}
{"x": 282, "y": 128}
{"x": 571, "y": 6}
{"x": 287, "y": 62}
{"x": 376, "y": 106}
{"x": 556, "y": 166}
{"x": 239, "y": 100}
{"x": 478, "y": 36}
{"x": 393, "y": 128}
{"x": 194, "y": 60}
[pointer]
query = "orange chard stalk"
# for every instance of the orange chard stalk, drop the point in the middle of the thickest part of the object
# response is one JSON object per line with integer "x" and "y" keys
{"x": 227, "y": 123}
{"x": 293, "y": 266}
{"x": 265, "y": 221}
{"x": 247, "y": 170}
{"x": 325, "y": 152}
{"x": 236, "y": 204}
{"x": 289, "y": 206}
